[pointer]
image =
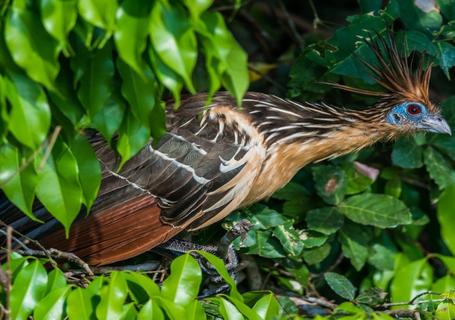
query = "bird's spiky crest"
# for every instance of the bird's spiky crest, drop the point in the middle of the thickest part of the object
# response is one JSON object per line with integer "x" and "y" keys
{"x": 395, "y": 73}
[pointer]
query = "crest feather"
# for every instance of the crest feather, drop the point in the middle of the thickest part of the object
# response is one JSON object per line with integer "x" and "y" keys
{"x": 395, "y": 73}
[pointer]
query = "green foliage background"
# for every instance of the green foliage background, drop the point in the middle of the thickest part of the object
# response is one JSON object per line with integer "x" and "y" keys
{"x": 368, "y": 230}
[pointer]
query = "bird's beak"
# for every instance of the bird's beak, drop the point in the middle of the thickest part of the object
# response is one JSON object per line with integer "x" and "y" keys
{"x": 435, "y": 123}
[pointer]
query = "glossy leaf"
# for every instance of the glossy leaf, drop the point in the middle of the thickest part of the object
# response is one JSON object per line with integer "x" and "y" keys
{"x": 132, "y": 31}
{"x": 100, "y": 13}
{"x": 139, "y": 91}
{"x": 445, "y": 216}
{"x": 88, "y": 168}
{"x": 133, "y": 136}
{"x": 79, "y": 305}
{"x": 112, "y": 297}
{"x": 141, "y": 287}
{"x": 56, "y": 280}
{"x": 228, "y": 310}
{"x": 267, "y": 307}
{"x": 30, "y": 115}
{"x": 182, "y": 285}
{"x": 376, "y": 210}
{"x": 28, "y": 289}
{"x": 31, "y": 47}
{"x": 110, "y": 117}
{"x": 173, "y": 40}
{"x": 410, "y": 280}
{"x": 51, "y": 307}
{"x": 59, "y": 17}
{"x": 341, "y": 285}
{"x": 150, "y": 310}
{"x": 197, "y": 7}
{"x": 58, "y": 186}
{"x": 18, "y": 185}
{"x": 96, "y": 81}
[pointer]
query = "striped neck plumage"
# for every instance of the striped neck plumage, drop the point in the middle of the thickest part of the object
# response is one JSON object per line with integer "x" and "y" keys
{"x": 289, "y": 122}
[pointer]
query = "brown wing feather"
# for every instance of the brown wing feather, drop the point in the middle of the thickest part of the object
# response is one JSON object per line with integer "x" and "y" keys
{"x": 116, "y": 233}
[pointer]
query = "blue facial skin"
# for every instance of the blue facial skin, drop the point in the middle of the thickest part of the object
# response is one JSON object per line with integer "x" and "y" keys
{"x": 400, "y": 115}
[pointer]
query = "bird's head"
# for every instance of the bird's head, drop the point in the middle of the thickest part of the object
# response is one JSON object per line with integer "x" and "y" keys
{"x": 416, "y": 116}
{"x": 404, "y": 105}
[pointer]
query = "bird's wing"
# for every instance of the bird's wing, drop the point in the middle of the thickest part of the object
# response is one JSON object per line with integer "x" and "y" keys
{"x": 199, "y": 172}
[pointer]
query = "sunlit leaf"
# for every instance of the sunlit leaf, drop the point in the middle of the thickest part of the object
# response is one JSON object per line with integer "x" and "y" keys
{"x": 28, "y": 289}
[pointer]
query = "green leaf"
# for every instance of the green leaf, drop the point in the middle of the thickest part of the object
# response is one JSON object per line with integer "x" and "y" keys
{"x": 356, "y": 181}
{"x": 56, "y": 280}
{"x": 382, "y": 257}
{"x": 58, "y": 187}
{"x": 410, "y": 280}
{"x": 407, "y": 154}
{"x": 31, "y": 47}
{"x": 112, "y": 297}
{"x": 173, "y": 40}
{"x": 445, "y": 217}
{"x": 354, "y": 240}
{"x": 140, "y": 92}
{"x": 110, "y": 117}
{"x": 220, "y": 267}
{"x": 89, "y": 169}
{"x": 51, "y": 307}
{"x": 133, "y": 136}
{"x": 325, "y": 220}
{"x": 228, "y": 311}
{"x": 378, "y": 210}
{"x": 19, "y": 187}
{"x": 170, "y": 79}
{"x": 79, "y": 305}
{"x": 132, "y": 31}
{"x": 100, "y": 13}
{"x": 232, "y": 59}
{"x": 444, "y": 284}
{"x": 330, "y": 183}
{"x": 30, "y": 115}
{"x": 141, "y": 287}
{"x": 439, "y": 168}
{"x": 197, "y": 7}
{"x": 316, "y": 255}
{"x": 370, "y": 5}
{"x": 182, "y": 285}
{"x": 267, "y": 307}
{"x": 96, "y": 81}
{"x": 28, "y": 289}
{"x": 244, "y": 309}
{"x": 150, "y": 310}
{"x": 289, "y": 238}
{"x": 415, "y": 18}
{"x": 446, "y": 56}
{"x": 447, "y": 8}
{"x": 59, "y": 17}
{"x": 341, "y": 285}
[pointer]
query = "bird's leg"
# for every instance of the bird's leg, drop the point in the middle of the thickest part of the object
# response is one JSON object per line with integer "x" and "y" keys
{"x": 224, "y": 249}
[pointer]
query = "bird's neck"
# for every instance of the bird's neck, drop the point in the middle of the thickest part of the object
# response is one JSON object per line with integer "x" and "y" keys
{"x": 348, "y": 132}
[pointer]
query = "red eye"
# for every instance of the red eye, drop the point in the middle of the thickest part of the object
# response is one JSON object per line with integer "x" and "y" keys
{"x": 414, "y": 109}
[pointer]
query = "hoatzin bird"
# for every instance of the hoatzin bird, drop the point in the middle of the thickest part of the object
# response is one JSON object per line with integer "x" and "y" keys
{"x": 218, "y": 158}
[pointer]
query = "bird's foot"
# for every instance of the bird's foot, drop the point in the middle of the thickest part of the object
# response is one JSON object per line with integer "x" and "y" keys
{"x": 224, "y": 250}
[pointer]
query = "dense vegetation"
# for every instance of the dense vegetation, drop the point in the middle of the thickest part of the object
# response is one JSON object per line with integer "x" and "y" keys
{"x": 368, "y": 235}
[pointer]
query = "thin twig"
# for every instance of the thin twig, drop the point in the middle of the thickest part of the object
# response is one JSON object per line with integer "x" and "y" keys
{"x": 50, "y": 146}
{"x": 292, "y": 27}
{"x": 32, "y": 157}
